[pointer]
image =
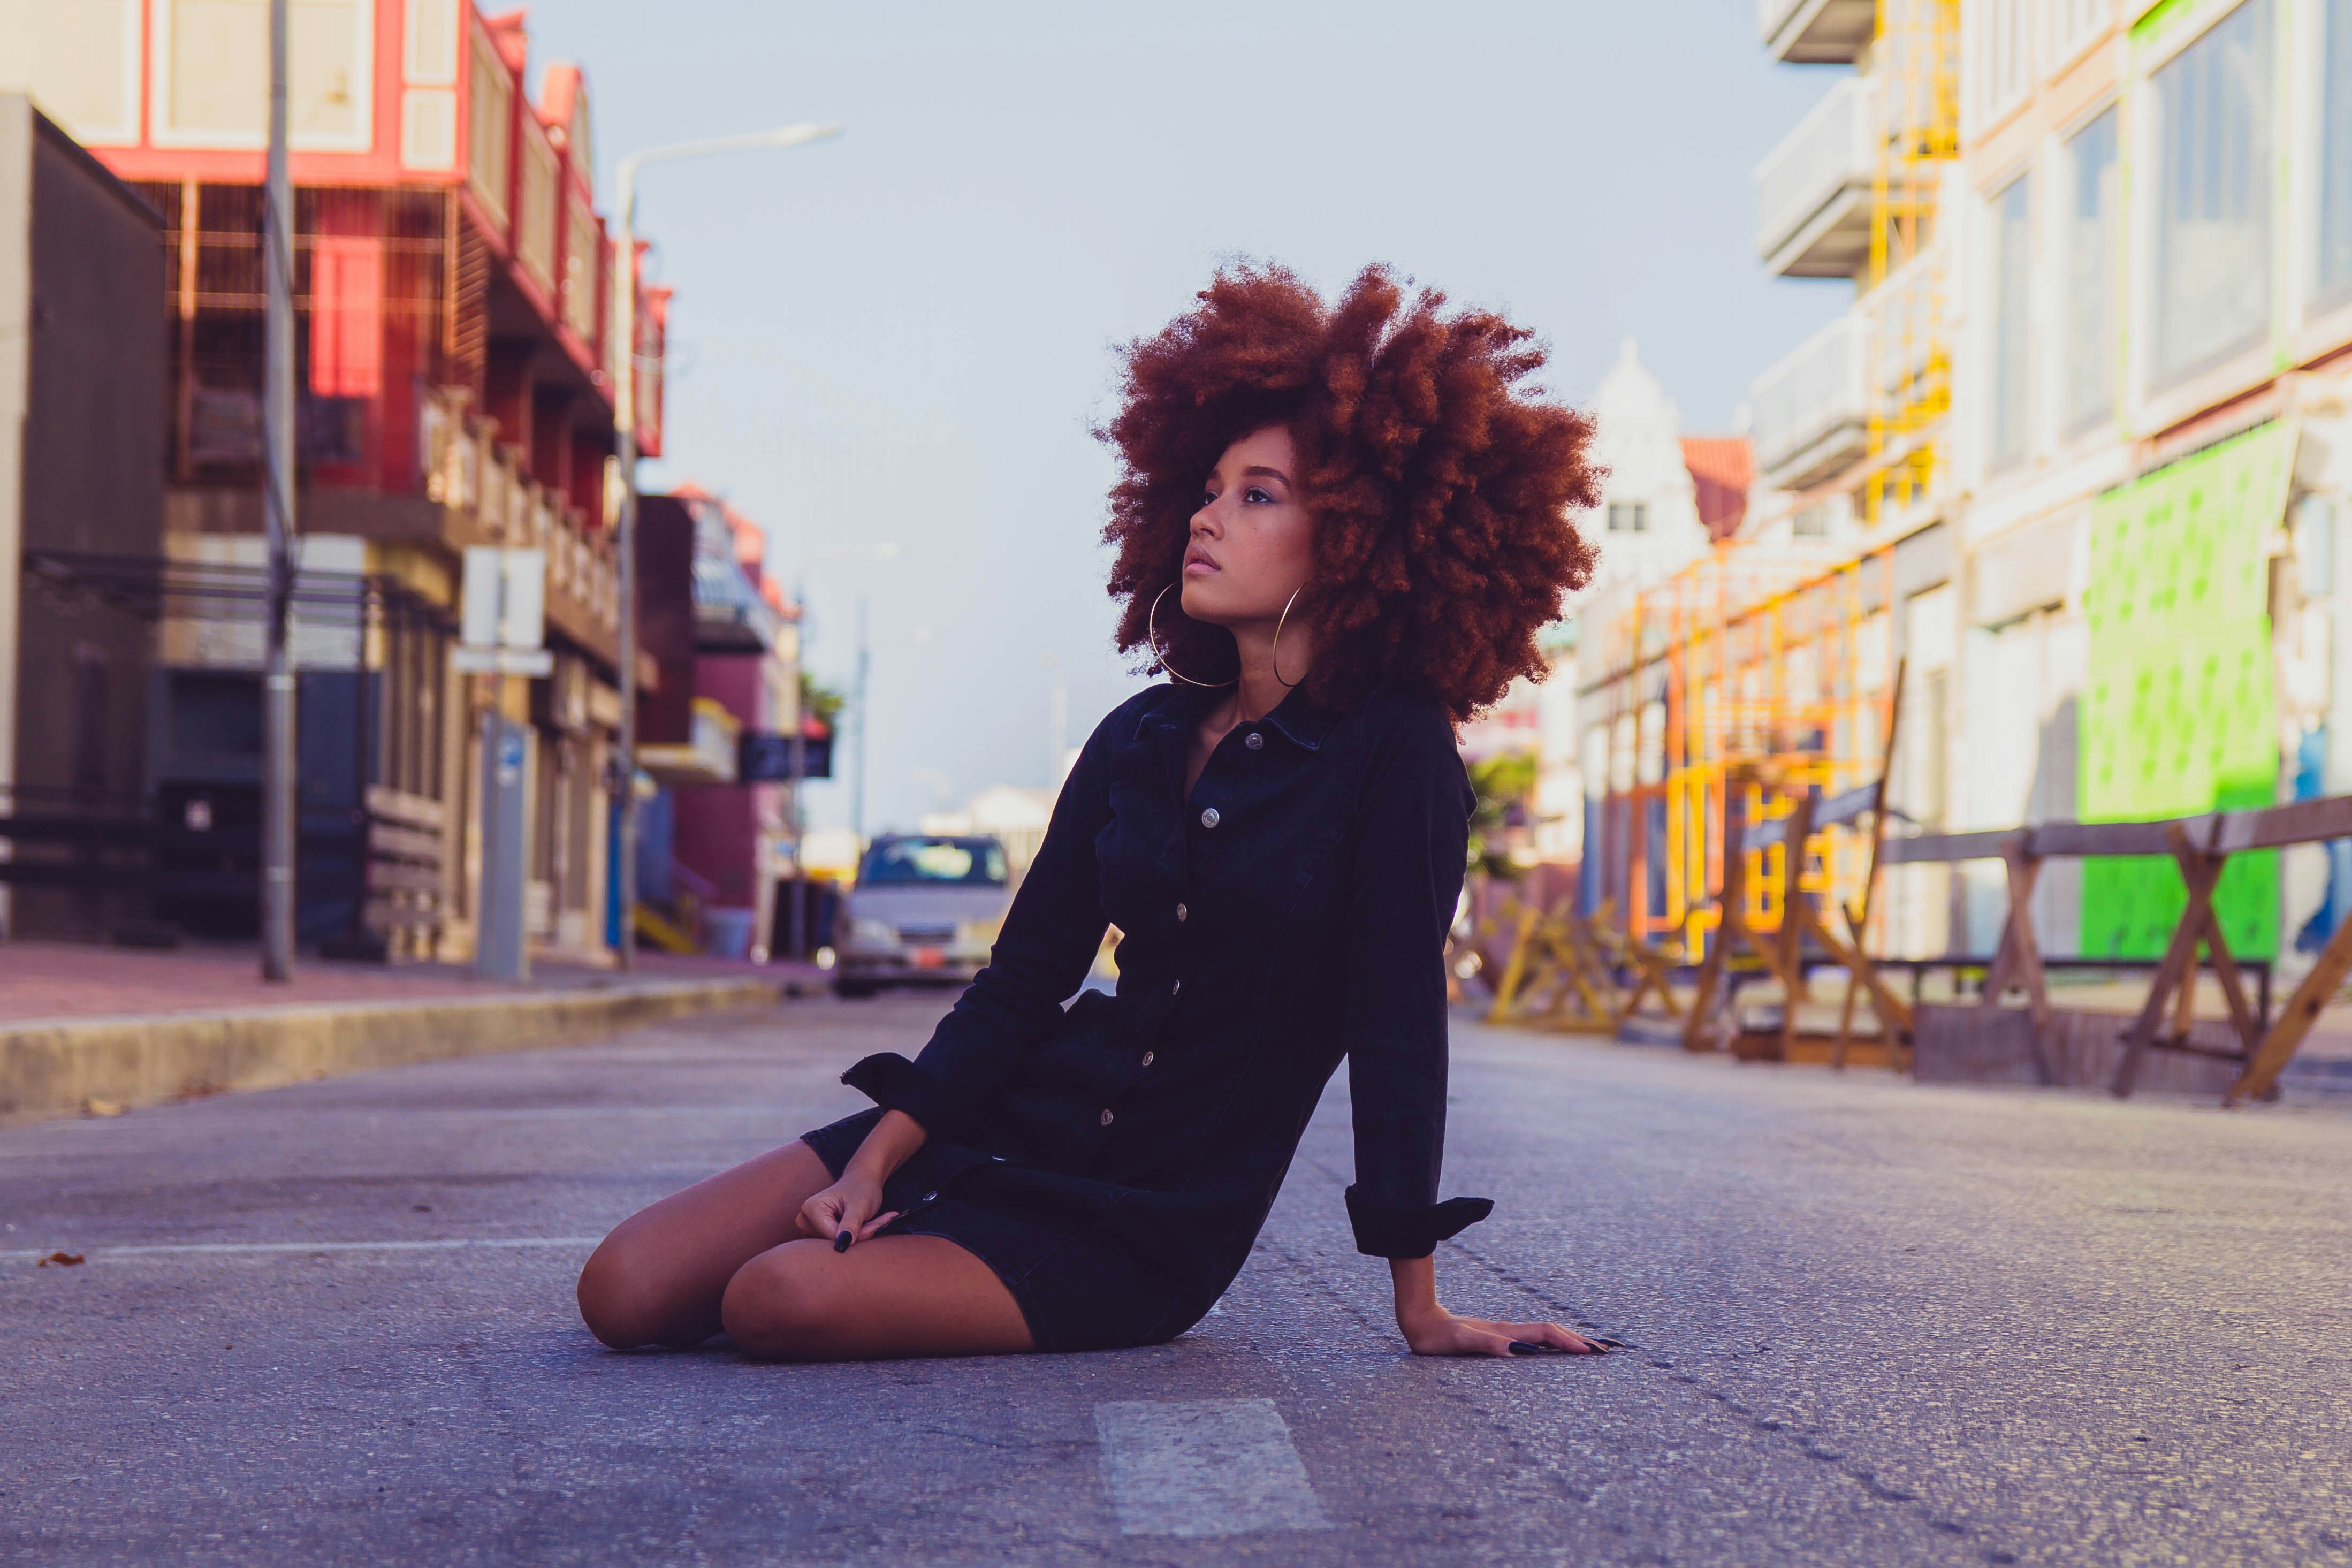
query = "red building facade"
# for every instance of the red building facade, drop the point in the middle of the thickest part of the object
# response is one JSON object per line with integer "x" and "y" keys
{"x": 454, "y": 285}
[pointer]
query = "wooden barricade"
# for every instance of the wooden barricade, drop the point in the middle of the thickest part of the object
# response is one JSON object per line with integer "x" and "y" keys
{"x": 1563, "y": 971}
{"x": 2198, "y": 846}
{"x": 1733, "y": 932}
{"x": 1784, "y": 957}
{"x": 407, "y": 873}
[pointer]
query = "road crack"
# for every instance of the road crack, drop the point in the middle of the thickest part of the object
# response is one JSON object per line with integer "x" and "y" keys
{"x": 1805, "y": 1441}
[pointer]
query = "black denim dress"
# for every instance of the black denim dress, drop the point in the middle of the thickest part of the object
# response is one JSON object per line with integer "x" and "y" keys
{"x": 1113, "y": 1162}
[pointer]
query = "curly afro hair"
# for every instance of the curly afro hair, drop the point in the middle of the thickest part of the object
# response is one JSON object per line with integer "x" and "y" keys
{"x": 1440, "y": 482}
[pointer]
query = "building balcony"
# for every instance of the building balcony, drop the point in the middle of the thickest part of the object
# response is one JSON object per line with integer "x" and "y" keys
{"x": 486, "y": 497}
{"x": 1817, "y": 32}
{"x": 706, "y": 757}
{"x": 1812, "y": 191}
{"x": 1811, "y": 411}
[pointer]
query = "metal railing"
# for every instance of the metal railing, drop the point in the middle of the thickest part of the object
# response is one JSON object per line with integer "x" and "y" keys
{"x": 1811, "y": 411}
{"x": 1829, "y": 150}
{"x": 1770, "y": 13}
{"x": 468, "y": 471}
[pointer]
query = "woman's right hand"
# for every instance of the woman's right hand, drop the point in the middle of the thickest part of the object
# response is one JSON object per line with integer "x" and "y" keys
{"x": 849, "y": 1204}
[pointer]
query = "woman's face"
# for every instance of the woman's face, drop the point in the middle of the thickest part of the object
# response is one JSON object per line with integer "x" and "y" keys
{"x": 1253, "y": 543}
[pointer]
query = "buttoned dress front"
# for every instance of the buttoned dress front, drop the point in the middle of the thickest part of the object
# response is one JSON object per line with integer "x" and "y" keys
{"x": 1113, "y": 1159}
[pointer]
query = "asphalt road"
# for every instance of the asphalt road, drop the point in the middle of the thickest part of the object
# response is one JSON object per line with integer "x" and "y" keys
{"x": 1875, "y": 1323}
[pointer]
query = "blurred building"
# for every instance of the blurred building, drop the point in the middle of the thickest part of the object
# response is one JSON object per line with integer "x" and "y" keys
{"x": 452, "y": 279}
{"x": 82, "y": 477}
{"x": 2149, "y": 430}
{"x": 1668, "y": 500}
{"x": 2069, "y": 467}
{"x": 716, "y": 844}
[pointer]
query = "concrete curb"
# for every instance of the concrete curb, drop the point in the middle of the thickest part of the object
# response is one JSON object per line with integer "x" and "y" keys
{"x": 58, "y": 1067}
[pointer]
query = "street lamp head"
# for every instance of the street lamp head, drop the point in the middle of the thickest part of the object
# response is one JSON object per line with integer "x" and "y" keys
{"x": 798, "y": 135}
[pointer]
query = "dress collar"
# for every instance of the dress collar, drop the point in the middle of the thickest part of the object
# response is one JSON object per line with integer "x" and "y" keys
{"x": 1297, "y": 718}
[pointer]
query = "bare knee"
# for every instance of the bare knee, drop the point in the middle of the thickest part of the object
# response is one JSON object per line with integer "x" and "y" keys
{"x": 625, "y": 1300}
{"x": 779, "y": 1306}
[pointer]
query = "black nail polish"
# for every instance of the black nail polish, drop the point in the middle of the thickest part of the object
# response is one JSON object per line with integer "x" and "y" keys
{"x": 1529, "y": 1347}
{"x": 840, "y": 1242}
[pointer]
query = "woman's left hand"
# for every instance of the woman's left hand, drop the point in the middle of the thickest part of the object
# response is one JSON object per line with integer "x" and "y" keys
{"x": 1443, "y": 1333}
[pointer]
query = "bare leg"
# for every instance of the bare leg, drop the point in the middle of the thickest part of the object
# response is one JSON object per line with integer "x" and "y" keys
{"x": 658, "y": 1277}
{"x": 893, "y": 1296}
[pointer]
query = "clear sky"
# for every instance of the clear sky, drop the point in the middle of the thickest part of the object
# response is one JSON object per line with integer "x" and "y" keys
{"x": 906, "y": 335}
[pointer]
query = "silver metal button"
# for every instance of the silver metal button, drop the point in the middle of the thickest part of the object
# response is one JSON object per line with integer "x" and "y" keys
{"x": 1105, "y": 1118}
{"x": 1177, "y": 989}
{"x": 930, "y": 1197}
{"x": 1181, "y": 911}
{"x": 998, "y": 1158}
{"x": 1209, "y": 818}
{"x": 1147, "y": 1058}
{"x": 1253, "y": 741}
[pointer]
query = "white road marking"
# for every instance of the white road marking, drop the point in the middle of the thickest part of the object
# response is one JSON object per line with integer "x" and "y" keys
{"x": 229, "y": 1248}
{"x": 1204, "y": 1467}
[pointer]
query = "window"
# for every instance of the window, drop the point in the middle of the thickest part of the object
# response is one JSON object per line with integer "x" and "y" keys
{"x": 2333, "y": 284}
{"x": 2214, "y": 197}
{"x": 2013, "y": 323}
{"x": 535, "y": 225}
{"x": 2074, "y": 23}
{"x": 2090, "y": 231}
{"x": 583, "y": 247}
{"x": 973, "y": 861}
{"x": 489, "y": 132}
{"x": 80, "y": 59}
{"x": 216, "y": 85}
{"x": 2008, "y": 53}
{"x": 1629, "y": 517}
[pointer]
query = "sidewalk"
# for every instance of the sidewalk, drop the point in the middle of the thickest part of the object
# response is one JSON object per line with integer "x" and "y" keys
{"x": 94, "y": 1030}
{"x": 80, "y": 980}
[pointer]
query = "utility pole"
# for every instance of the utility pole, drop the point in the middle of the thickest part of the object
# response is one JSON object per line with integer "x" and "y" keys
{"x": 624, "y": 440}
{"x": 865, "y": 664}
{"x": 800, "y": 770}
{"x": 624, "y": 437}
{"x": 278, "y": 718}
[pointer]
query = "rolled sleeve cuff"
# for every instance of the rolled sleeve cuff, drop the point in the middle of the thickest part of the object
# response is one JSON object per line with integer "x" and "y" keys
{"x": 894, "y": 1083}
{"x": 1384, "y": 1230}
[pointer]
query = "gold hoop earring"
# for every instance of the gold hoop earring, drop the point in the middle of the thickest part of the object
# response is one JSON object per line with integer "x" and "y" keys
{"x": 1151, "y": 631}
{"x": 1273, "y": 654}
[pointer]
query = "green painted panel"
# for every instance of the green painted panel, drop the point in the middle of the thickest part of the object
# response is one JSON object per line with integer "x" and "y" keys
{"x": 2179, "y": 715}
{"x": 2156, "y": 17}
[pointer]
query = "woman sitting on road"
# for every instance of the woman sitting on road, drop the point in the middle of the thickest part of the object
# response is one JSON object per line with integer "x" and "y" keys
{"x": 1339, "y": 530}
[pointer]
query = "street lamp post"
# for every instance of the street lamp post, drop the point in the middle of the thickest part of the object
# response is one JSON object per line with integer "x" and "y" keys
{"x": 884, "y": 550}
{"x": 625, "y": 421}
{"x": 279, "y": 772}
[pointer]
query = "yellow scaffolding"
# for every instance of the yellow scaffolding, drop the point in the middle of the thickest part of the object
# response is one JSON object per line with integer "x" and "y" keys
{"x": 1773, "y": 667}
{"x": 1910, "y": 359}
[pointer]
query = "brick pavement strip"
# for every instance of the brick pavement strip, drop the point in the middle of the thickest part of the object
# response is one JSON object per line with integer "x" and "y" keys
{"x": 64, "y": 1066}
{"x": 1875, "y": 1323}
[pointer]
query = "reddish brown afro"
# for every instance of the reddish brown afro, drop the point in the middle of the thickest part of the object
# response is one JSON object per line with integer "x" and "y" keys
{"x": 1440, "y": 482}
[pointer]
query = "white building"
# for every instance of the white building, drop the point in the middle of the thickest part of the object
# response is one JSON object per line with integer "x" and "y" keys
{"x": 1666, "y": 499}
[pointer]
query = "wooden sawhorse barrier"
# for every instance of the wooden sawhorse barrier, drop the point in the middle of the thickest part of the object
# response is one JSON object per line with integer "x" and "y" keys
{"x": 2199, "y": 846}
{"x": 1573, "y": 966}
{"x": 1800, "y": 921}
